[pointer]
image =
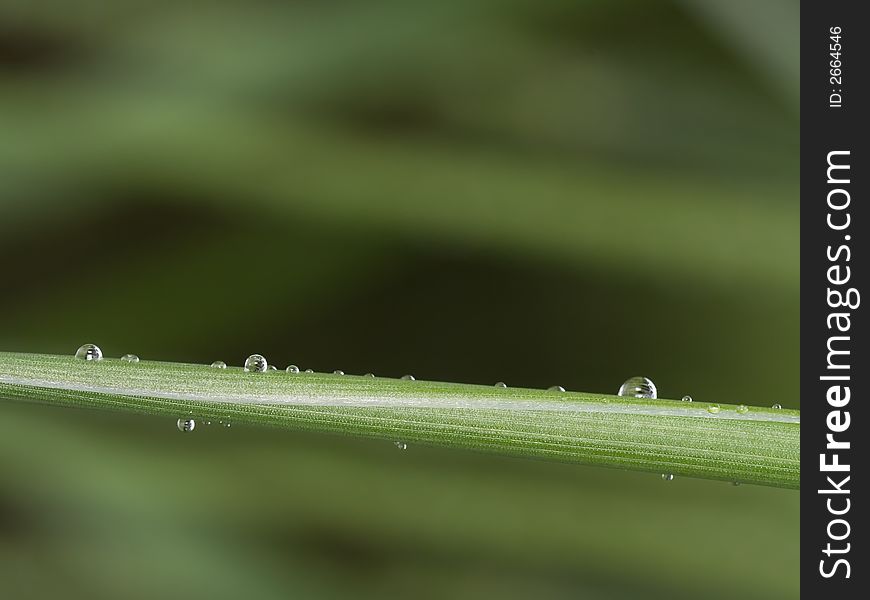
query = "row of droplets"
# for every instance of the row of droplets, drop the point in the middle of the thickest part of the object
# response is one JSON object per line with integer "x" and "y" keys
{"x": 93, "y": 352}
{"x": 255, "y": 363}
{"x": 633, "y": 387}
{"x": 643, "y": 387}
{"x": 188, "y": 424}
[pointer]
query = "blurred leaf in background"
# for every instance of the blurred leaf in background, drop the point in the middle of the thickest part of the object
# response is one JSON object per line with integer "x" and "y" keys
{"x": 540, "y": 193}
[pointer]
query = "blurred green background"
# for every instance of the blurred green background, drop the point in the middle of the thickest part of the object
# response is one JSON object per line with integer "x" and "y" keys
{"x": 566, "y": 192}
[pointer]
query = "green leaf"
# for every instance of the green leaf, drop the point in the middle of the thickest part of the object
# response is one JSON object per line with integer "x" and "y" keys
{"x": 753, "y": 445}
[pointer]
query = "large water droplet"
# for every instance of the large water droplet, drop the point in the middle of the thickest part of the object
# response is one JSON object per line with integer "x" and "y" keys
{"x": 776, "y": 406}
{"x": 408, "y": 378}
{"x": 638, "y": 387}
{"x": 130, "y": 358}
{"x": 338, "y": 372}
{"x": 89, "y": 352}
{"x": 186, "y": 425}
{"x": 687, "y": 398}
{"x": 256, "y": 363}
{"x": 500, "y": 384}
{"x": 668, "y": 476}
{"x": 713, "y": 409}
{"x": 556, "y": 388}
{"x": 401, "y": 445}
{"x": 219, "y": 364}
{"x": 292, "y": 369}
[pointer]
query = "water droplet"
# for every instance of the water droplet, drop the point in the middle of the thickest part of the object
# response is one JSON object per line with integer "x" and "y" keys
{"x": 372, "y": 375}
{"x": 735, "y": 483}
{"x": 638, "y": 387}
{"x": 401, "y": 445}
{"x": 555, "y": 388}
{"x": 500, "y": 384}
{"x": 668, "y": 476}
{"x": 338, "y": 372}
{"x": 219, "y": 364}
{"x": 309, "y": 370}
{"x": 743, "y": 409}
{"x": 130, "y": 358}
{"x": 687, "y": 398}
{"x": 186, "y": 425}
{"x": 292, "y": 369}
{"x": 713, "y": 409}
{"x": 89, "y": 352}
{"x": 777, "y": 406}
{"x": 228, "y": 425}
{"x": 256, "y": 363}
{"x": 408, "y": 378}
{"x": 272, "y": 368}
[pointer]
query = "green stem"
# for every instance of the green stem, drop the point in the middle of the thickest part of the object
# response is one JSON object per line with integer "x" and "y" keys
{"x": 752, "y": 445}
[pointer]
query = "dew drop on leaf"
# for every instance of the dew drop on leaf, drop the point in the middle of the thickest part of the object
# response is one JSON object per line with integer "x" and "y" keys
{"x": 256, "y": 363}
{"x": 186, "y": 425}
{"x": 309, "y": 370}
{"x": 555, "y": 388}
{"x": 500, "y": 384}
{"x": 687, "y": 398}
{"x": 338, "y": 372}
{"x": 372, "y": 375}
{"x": 130, "y": 358}
{"x": 401, "y": 445}
{"x": 89, "y": 352}
{"x": 408, "y": 378}
{"x": 638, "y": 387}
{"x": 668, "y": 476}
{"x": 292, "y": 369}
{"x": 219, "y": 364}
{"x": 713, "y": 409}
{"x": 272, "y": 368}
{"x": 743, "y": 409}
{"x": 777, "y": 406}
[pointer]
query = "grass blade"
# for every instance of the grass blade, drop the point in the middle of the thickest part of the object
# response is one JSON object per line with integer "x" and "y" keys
{"x": 755, "y": 445}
